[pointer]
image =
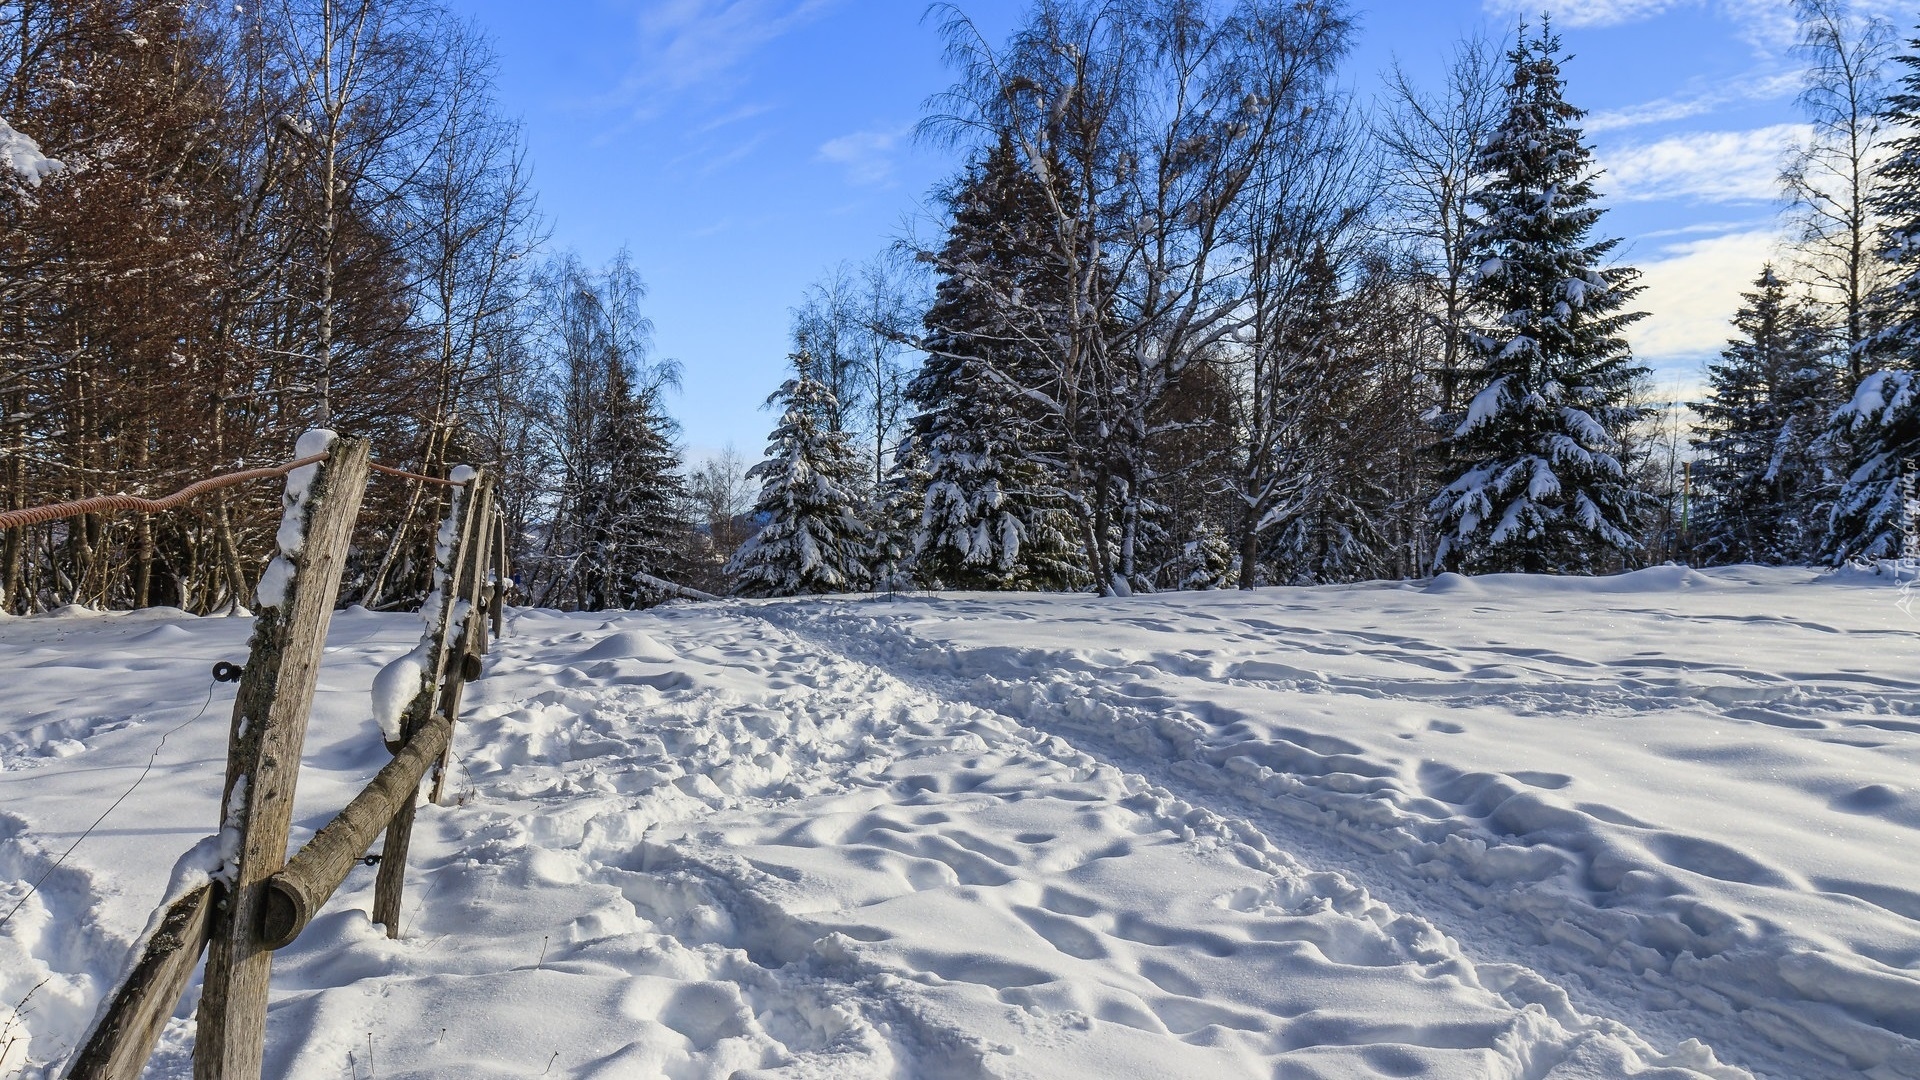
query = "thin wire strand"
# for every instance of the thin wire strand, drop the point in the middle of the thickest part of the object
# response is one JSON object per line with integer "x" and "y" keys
{"x": 154, "y": 757}
{"x": 422, "y": 477}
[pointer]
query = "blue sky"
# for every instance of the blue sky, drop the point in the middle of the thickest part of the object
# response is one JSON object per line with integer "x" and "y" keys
{"x": 741, "y": 147}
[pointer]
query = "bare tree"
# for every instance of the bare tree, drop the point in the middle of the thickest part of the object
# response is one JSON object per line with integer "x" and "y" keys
{"x": 1831, "y": 179}
{"x": 1146, "y": 122}
{"x": 472, "y": 223}
{"x": 1304, "y": 227}
{"x": 826, "y": 326}
{"x": 888, "y": 316}
{"x": 1431, "y": 145}
{"x": 721, "y": 494}
{"x": 365, "y": 80}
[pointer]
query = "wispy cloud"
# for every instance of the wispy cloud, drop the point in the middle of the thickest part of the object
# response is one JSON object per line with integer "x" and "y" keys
{"x": 1703, "y": 166}
{"x": 710, "y": 157}
{"x": 867, "y": 156}
{"x": 689, "y": 46}
{"x": 734, "y": 116}
{"x": 1758, "y": 86}
{"x": 1693, "y": 290}
{"x": 1765, "y": 25}
{"x": 1577, "y": 13}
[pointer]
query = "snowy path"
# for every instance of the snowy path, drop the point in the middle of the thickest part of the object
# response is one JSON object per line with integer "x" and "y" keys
{"x": 1705, "y": 842}
{"x": 1205, "y": 836}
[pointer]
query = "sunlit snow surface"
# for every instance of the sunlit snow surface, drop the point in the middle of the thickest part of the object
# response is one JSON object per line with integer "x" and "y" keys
{"x": 1659, "y": 825}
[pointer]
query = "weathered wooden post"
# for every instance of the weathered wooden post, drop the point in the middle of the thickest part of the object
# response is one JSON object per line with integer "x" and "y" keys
{"x": 472, "y": 644}
{"x": 435, "y": 651}
{"x": 497, "y": 603}
{"x": 296, "y": 598}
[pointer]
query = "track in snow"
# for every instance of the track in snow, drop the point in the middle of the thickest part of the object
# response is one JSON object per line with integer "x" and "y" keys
{"x": 1018, "y": 837}
{"x": 1491, "y": 858}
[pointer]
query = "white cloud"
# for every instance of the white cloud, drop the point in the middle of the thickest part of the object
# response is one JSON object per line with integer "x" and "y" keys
{"x": 1577, "y": 13}
{"x": 1765, "y": 25}
{"x": 1758, "y": 86}
{"x": 867, "y": 156}
{"x": 1705, "y": 166}
{"x": 1692, "y": 292}
{"x": 688, "y": 45}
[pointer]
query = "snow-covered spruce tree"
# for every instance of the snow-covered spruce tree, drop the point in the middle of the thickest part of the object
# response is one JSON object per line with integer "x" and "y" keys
{"x": 813, "y": 541}
{"x": 1540, "y": 486}
{"x": 1768, "y": 397}
{"x": 1880, "y": 427}
{"x": 1877, "y": 433}
{"x": 1896, "y": 305}
{"x": 985, "y": 495}
{"x": 895, "y": 514}
{"x": 631, "y": 516}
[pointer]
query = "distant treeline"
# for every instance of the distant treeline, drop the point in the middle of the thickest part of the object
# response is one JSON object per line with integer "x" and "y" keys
{"x": 259, "y": 219}
{"x": 1201, "y": 318}
{"x": 1196, "y": 316}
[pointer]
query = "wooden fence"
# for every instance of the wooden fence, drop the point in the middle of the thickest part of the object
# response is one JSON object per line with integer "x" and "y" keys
{"x": 259, "y": 900}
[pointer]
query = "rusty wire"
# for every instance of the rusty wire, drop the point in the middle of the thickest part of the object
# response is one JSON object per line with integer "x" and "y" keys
{"x": 100, "y": 504}
{"x": 391, "y": 471}
{"x": 40, "y": 515}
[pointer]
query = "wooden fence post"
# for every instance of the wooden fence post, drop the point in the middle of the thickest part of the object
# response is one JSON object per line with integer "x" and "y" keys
{"x": 263, "y": 756}
{"x": 497, "y": 603}
{"x": 390, "y": 883}
{"x": 473, "y": 636}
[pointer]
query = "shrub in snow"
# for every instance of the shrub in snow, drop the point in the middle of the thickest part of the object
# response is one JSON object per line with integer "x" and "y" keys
{"x": 1206, "y": 561}
{"x": 1537, "y": 484}
{"x": 812, "y": 542}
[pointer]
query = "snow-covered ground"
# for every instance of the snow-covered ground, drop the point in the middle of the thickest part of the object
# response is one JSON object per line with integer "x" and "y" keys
{"x": 1658, "y": 825}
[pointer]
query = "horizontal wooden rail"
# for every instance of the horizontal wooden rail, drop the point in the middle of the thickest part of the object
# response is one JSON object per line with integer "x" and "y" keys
{"x": 122, "y": 1039}
{"x": 297, "y": 893}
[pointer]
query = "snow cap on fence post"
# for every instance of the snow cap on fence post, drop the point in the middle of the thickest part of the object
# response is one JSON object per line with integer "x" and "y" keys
{"x": 292, "y": 533}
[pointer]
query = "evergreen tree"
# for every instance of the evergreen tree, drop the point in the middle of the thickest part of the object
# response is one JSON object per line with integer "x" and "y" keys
{"x": 1881, "y": 429}
{"x": 812, "y": 541}
{"x": 896, "y": 518}
{"x": 1896, "y": 306}
{"x": 1206, "y": 561}
{"x": 1331, "y": 529}
{"x": 986, "y": 497}
{"x": 1877, "y": 433}
{"x": 1540, "y": 486}
{"x": 632, "y": 515}
{"x": 1768, "y": 397}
